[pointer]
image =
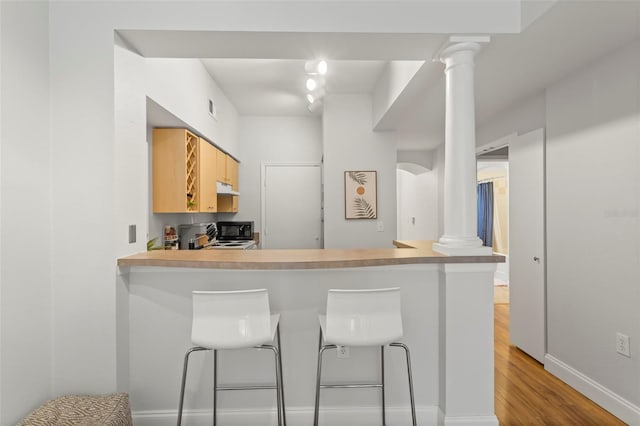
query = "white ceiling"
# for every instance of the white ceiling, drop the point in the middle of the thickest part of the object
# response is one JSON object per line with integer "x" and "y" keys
{"x": 277, "y": 86}
{"x": 263, "y": 73}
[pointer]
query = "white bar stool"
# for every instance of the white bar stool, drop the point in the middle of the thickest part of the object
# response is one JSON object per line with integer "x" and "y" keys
{"x": 234, "y": 320}
{"x": 362, "y": 318}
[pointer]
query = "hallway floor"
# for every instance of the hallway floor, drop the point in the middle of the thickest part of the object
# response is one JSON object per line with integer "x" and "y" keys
{"x": 526, "y": 394}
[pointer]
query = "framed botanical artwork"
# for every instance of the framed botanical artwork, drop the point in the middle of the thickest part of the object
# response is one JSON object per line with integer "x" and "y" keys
{"x": 360, "y": 195}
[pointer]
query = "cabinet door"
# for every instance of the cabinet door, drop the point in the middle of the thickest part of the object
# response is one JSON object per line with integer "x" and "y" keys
{"x": 233, "y": 180}
{"x": 226, "y": 203}
{"x": 232, "y": 172}
{"x": 221, "y": 166}
{"x": 175, "y": 171}
{"x": 207, "y": 177}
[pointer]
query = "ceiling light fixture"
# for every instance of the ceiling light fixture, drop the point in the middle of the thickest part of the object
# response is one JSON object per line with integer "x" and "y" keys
{"x": 315, "y": 83}
{"x": 312, "y": 84}
{"x": 316, "y": 67}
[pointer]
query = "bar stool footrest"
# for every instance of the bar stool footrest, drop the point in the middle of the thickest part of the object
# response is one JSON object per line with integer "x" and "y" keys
{"x": 248, "y": 387}
{"x": 354, "y": 385}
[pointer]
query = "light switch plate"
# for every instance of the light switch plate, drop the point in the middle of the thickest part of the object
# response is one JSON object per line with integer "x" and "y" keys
{"x": 132, "y": 234}
{"x": 380, "y": 226}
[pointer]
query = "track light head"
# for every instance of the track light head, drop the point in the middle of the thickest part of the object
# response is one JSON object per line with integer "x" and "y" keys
{"x": 312, "y": 84}
{"x": 316, "y": 67}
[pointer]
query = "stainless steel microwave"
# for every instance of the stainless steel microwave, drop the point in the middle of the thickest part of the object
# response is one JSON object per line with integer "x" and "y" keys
{"x": 235, "y": 231}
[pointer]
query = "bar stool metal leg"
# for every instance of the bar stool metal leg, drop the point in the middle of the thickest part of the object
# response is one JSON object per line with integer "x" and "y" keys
{"x": 184, "y": 380}
{"x": 410, "y": 375}
{"x": 215, "y": 387}
{"x": 321, "y": 349}
{"x": 284, "y": 412}
{"x": 318, "y": 373}
{"x": 384, "y": 411}
{"x": 276, "y": 353}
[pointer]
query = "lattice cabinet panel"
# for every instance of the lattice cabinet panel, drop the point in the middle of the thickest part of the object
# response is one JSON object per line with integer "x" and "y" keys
{"x": 191, "y": 159}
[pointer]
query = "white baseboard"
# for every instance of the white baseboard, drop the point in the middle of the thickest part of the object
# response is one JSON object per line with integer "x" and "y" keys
{"x": 610, "y": 401}
{"x": 303, "y": 416}
{"x": 471, "y": 421}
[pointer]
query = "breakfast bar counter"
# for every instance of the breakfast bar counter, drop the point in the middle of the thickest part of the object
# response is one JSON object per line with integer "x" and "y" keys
{"x": 447, "y": 310}
{"x": 413, "y": 252}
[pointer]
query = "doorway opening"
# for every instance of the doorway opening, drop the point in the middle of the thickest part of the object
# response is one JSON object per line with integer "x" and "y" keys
{"x": 493, "y": 183}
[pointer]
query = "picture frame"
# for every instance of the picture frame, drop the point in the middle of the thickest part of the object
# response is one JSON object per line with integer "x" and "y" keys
{"x": 360, "y": 194}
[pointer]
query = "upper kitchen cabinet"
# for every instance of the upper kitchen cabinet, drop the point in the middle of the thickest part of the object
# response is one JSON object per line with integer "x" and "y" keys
{"x": 227, "y": 169}
{"x": 208, "y": 176}
{"x": 227, "y": 172}
{"x": 221, "y": 166}
{"x": 184, "y": 172}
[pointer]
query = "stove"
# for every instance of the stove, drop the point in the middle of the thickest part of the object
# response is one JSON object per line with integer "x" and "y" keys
{"x": 232, "y": 245}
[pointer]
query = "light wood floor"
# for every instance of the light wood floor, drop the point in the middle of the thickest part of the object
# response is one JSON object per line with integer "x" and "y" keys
{"x": 526, "y": 394}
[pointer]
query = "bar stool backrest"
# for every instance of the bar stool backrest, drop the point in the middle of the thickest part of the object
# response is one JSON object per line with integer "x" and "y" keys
{"x": 231, "y": 319}
{"x": 369, "y": 317}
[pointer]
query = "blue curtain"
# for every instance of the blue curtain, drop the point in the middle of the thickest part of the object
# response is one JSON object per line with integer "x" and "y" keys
{"x": 485, "y": 213}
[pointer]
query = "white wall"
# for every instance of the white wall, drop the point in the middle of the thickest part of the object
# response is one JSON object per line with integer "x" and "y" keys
{"x": 131, "y": 144}
{"x": 183, "y": 87}
{"x": 522, "y": 118}
{"x": 392, "y": 81}
{"x": 417, "y": 205}
{"x": 25, "y": 210}
{"x": 272, "y": 140}
{"x": 439, "y": 169}
{"x": 593, "y": 199}
{"x": 350, "y": 144}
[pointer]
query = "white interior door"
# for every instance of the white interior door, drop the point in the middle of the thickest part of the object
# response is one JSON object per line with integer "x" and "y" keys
{"x": 527, "y": 244}
{"x": 292, "y": 206}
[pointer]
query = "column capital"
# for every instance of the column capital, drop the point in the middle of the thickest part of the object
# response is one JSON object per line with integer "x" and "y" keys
{"x": 457, "y": 44}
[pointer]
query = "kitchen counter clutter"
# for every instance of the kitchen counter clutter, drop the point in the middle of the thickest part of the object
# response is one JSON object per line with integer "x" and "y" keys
{"x": 412, "y": 252}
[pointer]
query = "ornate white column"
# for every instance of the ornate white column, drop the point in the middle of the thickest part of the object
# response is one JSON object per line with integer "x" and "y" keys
{"x": 460, "y": 199}
{"x": 466, "y": 393}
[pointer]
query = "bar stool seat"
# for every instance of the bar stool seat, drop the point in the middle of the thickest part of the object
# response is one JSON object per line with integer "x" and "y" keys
{"x": 234, "y": 320}
{"x": 370, "y": 317}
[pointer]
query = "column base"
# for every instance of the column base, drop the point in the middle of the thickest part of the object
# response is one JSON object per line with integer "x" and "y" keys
{"x": 452, "y": 246}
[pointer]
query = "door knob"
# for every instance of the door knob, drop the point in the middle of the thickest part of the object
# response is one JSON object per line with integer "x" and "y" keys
{"x": 536, "y": 259}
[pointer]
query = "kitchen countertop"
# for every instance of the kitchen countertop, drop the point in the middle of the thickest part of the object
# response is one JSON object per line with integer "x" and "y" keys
{"x": 408, "y": 252}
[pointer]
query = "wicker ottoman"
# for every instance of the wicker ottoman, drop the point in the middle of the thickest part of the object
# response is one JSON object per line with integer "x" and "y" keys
{"x": 82, "y": 410}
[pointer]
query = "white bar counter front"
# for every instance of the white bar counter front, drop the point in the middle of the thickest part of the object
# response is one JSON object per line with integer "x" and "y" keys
{"x": 447, "y": 304}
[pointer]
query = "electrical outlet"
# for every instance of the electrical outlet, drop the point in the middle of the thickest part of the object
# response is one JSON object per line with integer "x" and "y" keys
{"x": 343, "y": 352}
{"x": 622, "y": 344}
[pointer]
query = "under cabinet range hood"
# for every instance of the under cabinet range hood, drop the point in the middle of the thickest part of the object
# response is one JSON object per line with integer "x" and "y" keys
{"x": 225, "y": 189}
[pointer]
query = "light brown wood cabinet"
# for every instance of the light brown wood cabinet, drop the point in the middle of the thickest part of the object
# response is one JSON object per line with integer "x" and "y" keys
{"x": 221, "y": 166}
{"x": 228, "y": 203}
{"x": 208, "y": 176}
{"x": 184, "y": 172}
